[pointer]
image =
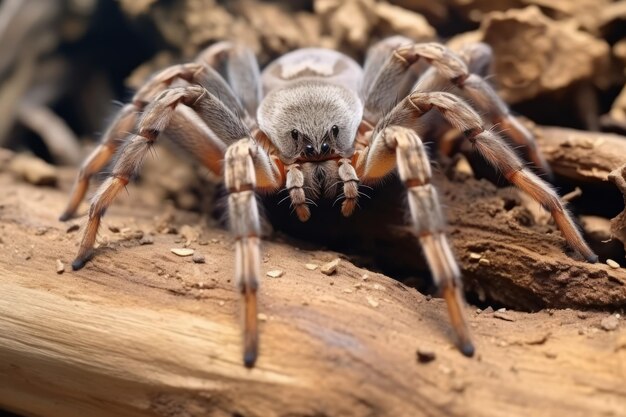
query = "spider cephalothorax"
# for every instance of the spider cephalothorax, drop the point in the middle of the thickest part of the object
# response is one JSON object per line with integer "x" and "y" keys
{"x": 317, "y": 125}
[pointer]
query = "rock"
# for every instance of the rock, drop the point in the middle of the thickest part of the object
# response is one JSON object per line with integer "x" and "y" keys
{"x": 372, "y": 301}
{"x": 198, "y": 258}
{"x": 475, "y": 257}
{"x": 311, "y": 267}
{"x": 609, "y": 323}
{"x": 331, "y": 267}
{"x": 182, "y": 251}
{"x": 41, "y": 231}
{"x": 146, "y": 240}
{"x": 275, "y": 273}
{"x": 60, "y": 266}
{"x": 34, "y": 170}
{"x": 612, "y": 263}
{"x": 503, "y": 316}
{"x": 425, "y": 355}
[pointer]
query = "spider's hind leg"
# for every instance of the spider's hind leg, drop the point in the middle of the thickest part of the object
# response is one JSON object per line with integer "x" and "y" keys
{"x": 450, "y": 69}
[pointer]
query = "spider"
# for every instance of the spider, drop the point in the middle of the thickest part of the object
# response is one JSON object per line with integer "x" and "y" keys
{"x": 316, "y": 125}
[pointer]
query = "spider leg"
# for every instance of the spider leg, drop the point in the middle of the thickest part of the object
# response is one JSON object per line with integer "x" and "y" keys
{"x": 244, "y": 163}
{"x": 154, "y": 120}
{"x": 461, "y": 116}
{"x": 481, "y": 94}
{"x": 400, "y": 147}
{"x": 125, "y": 121}
{"x": 454, "y": 71}
{"x": 377, "y": 56}
{"x": 295, "y": 184}
{"x": 348, "y": 176}
{"x": 239, "y": 66}
{"x": 247, "y": 167}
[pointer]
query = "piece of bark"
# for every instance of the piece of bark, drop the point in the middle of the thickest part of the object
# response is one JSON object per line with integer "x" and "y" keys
{"x": 618, "y": 224}
{"x": 33, "y": 170}
{"x": 135, "y": 334}
{"x": 534, "y": 54}
{"x": 581, "y": 156}
{"x": 530, "y": 265}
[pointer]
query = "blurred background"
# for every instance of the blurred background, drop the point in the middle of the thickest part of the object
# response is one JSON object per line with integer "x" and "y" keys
{"x": 65, "y": 63}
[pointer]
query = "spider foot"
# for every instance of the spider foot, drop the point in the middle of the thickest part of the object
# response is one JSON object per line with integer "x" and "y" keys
{"x": 81, "y": 260}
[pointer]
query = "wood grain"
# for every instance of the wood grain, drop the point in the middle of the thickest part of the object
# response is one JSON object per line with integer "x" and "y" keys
{"x": 142, "y": 332}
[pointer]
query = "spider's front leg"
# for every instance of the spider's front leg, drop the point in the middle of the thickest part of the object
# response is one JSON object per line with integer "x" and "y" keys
{"x": 200, "y": 73}
{"x": 247, "y": 168}
{"x": 401, "y": 148}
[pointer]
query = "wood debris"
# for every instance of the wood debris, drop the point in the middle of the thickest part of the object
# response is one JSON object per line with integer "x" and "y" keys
{"x": 275, "y": 273}
{"x": 331, "y": 267}
{"x": 60, "y": 266}
{"x": 33, "y": 170}
{"x": 182, "y": 251}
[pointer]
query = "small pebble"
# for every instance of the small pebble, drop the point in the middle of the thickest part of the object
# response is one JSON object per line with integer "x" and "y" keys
{"x": 60, "y": 267}
{"x": 475, "y": 256}
{"x": 34, "y": 170}
{"x": 503, "y": 316}
{"x": 114, "y": 228}
{"x": 72, "y": 228}
{"x": 262, "y": 317}
{"x": 425, "y": 355}
{"x": 372, "y": 301}
{"x": 146, "y": 240}
{"x": 182, "y": 251}
{"x": 41, "y": 231}
{"x": 484, "y": 262}
{"x": 331, "y": 267}
{"x": 612, "y": 263}
{"x": 348, "y": 291}
{"x": 609, "y": 323}
{"x": 198, "y": 258}
{"x": 221, "y": 303}
{"x": 275, "y": 273}
{"x": 365, "y": 277}
{"x": 311, "y": 267}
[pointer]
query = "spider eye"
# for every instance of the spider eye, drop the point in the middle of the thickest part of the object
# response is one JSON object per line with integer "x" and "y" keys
{"x": 295, "y": 134}
{"x": 335, "y": 130}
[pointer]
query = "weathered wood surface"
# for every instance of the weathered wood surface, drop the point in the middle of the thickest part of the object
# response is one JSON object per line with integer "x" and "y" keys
{"x": 142, "y": 332}
{"x": 581, "y": 156}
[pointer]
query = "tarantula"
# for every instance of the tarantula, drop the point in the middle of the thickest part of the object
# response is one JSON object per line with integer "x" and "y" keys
{"x": 317, "y": 125}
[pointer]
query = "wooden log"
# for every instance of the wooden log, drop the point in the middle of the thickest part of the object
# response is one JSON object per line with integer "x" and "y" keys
{"x": 579, "y": 155}
{"x": 143, "y": 332}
